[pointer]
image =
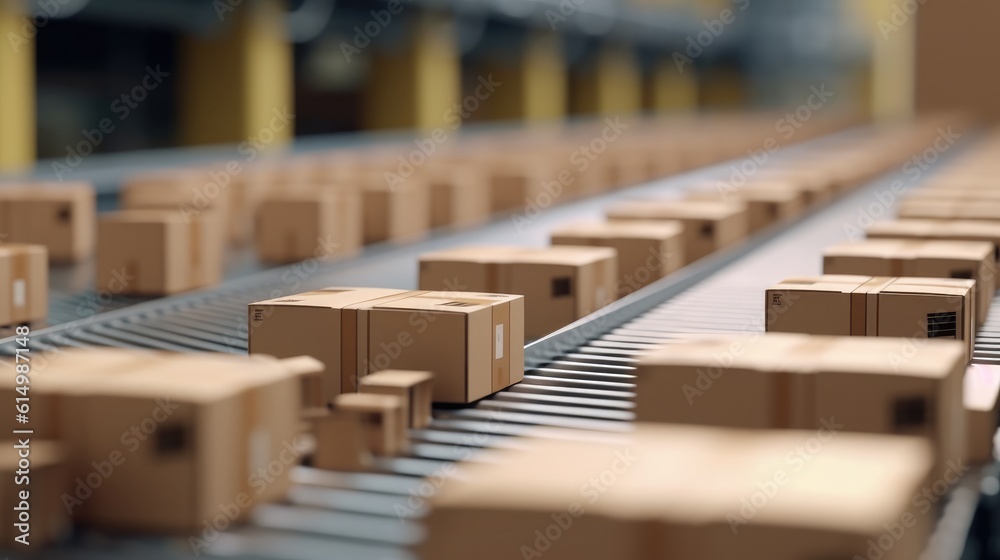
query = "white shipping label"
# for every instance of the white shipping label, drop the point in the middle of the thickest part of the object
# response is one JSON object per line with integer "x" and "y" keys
{"x": 19, "y": 293}
{"x": 498, "y": 343}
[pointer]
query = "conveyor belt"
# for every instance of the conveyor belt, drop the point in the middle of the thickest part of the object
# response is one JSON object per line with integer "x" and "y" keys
{"x": 581, "y": 377}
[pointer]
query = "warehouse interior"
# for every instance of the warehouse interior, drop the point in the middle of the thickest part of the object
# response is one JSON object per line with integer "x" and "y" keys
{"x": 441, "y": 279}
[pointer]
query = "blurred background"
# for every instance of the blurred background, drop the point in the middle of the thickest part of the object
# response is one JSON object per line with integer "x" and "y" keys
{"x": 82, "y": 77}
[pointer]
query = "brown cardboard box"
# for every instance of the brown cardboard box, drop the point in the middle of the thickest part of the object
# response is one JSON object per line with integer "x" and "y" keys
{"x": 812, "y": 191}
{"x": 189, "y": 192}
{"x": 982, "y": 411}
{"x": 765, "y": 206}
{"x": 24, "y": 283}
{"x": 474, "y": 343}
{"x": 966, "y": 195}
{"x": 925, "y": 209}
{"x": 954, "y": 230}
{"x": 516, "y": 185}
{"x": 670, "y": 492}
{"x": 879, "y": 306}
{"x": 460, "y": 195}
{"x": 647, "y": 251}
{"x": 60, "y": 216}
{"x": 296, "y": 225}
{"x": 358, "y": 428}
{"x": 158, "y": 252}
{"x": 34, "y": 513}
{"x": 187, "y": 432}
{"x": 400, "y": 211}
{"x": 415, "y": 388}
{"x": 796, "y": 381}
{"x": 920, "y": 259}
{"x": 708, "y": 226}
{"x": 559, "y": 284}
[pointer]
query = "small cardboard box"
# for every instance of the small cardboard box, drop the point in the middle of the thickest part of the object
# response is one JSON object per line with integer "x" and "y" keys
{"x": 320, "y": 223}
{"x": 671, "y": 492}
{"x": 358, "y": 428}
{"x": 813, "y": 191}
{"x": 473, "y": 342}
{"x": 647, "y": 251}
{"x": 460, "y": 195}
{"x": 920, "y": 259}
{"x": 415, "y": 388}
{"x": 926, "y": 209}
{"x": 158, "y": 252}
{"x": 187, "y": 191}
{"x": 941, "y": 230}
{"x": 796, "y": 381}
{"x": 198, "y": 431}
{"x": 982, "y": 411}
{"x": 516, "y": 185}
{"x": 60, "y": 216}
{"x": 879, "y": 306}
{"x": 24, "y": 283}
{"x": 559, "y": 284}
{"x": 708, "y": 226}
{"x": 397, "y": 209}
{"x": 764, "y": 206}
{"x": 32, "y": 493}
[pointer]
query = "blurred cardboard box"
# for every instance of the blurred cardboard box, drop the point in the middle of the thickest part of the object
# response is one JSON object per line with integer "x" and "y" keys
{"x": 708, "y": 226}
{"x": 24, "y": 283}
{"x": 60, "y": 216}
{"x": 927, "y": 209}
{"x": 982, "y": 411}
{"x": 942, "y": 230}
{"x": 795, "y": 381}
{"x": 671, "y": 492}
{"x": 473, "y": 342}
{"x": 813, "y": 190}
{"x": 35, "y": 476}
{"x": 647, "y": 251}
{"x": 184, "y": 431}
{"x": 158, "y": 252}
{"x": 460, "y": 195}
{"x": 866, "y": 306}
{"x": 559, "y": 284}
{"x": 415, "y": 388}
{"x": 965, "y": 195}
{"x": 920, "y": 259}
{"x": 515, "y": 186}
{"x": 358, "y": 428}
{"x": 300, "y": 224}
{"x": 395, "y": 209}
{"x": 764, "y": 206}
{"x": 189, "y": 192}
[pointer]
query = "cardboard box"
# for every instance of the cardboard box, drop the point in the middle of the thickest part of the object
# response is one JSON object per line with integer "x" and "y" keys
{"x": 647, "y": 251}
{"x": 940, "y": 308}
{"x": 963, "y": 195}
{"x": 189, "y": 192}
{"x": 24, "y": 283}
{"x": 473, "y": 342}
{"x": 765, "y": 206}
{"x": 415, "y": 388}
{"x": 925, "y": 209}
{"x": 158, "y": 252}
{"x": 400, "y": 211}
{"x": 513, "y": 185}
{"x": 942, "y": 230}
{"x": 34, "y": 514}
{"x": 812, "y": 190}
{"x": 358, "y": 428}
{"x": 60, "y": 216}
{"x": 559, "y": 284}
{"x": 919, "y": 259}
{"x": 981, "y": 397}
{"x": 796, "y": 381}
{"x": 708, "y": 226}
{"x": 671, "y": 492}
{"x": 460, "y": 195}
{"x": 184, "y": 431}
{"x": 321, "y": 223}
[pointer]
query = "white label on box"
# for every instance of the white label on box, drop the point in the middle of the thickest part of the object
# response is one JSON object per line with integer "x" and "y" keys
{"x": 498, "y": 343}
{"x": 19, "y": 293}
{"x": 259, "y": 452}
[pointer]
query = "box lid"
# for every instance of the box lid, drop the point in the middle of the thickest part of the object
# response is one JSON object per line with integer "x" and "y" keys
{"x": 367, "y": 402}
{"x": 334, "y": 298}
{"x": 654, "y": 229}
{"x": 397, "y": 378}
{"x": 937, "y": 228}
{"x": 911, "y": 249}
{"x": 164, "y": 216}
{"x": 675, "y": 209}
{"x": 447, "y": 302}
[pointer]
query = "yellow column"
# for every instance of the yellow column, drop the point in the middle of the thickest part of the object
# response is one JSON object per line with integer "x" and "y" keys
{"x": 17, "y": 87}
{"x": 612, "y": 86}
{"x": 532, "y": 86}
{"x": 891, "y": 75}
{"x": 419, "y": 86}
{"x": 238, "y": 85}
{"x": 669, "y": 89}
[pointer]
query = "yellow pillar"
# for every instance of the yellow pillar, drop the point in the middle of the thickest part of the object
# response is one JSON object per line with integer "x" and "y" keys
{"x": 891, "y": 74}
{"x": 238, "y": 85}
{"x": 419, "y": 86}
{"x": 669, "y": 89}
{"x": 17, "y": 87}
{"x": 533, "y": 85}
{"x": 613, "y": 85}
